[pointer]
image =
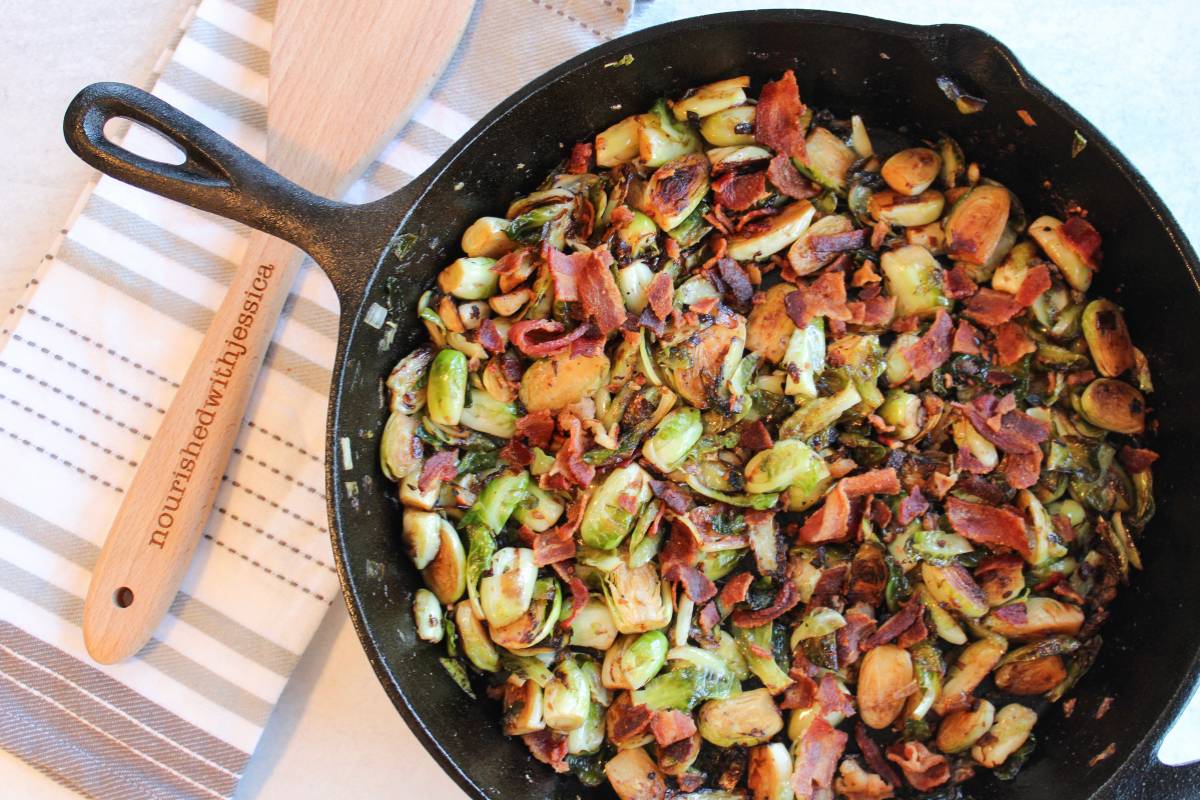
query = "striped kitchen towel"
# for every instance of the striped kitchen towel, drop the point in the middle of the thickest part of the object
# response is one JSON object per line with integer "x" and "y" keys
{"x": 90, "y": 359}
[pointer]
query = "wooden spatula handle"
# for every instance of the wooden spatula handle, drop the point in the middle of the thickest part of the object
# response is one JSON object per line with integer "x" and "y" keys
{"x": 166, "y": 508}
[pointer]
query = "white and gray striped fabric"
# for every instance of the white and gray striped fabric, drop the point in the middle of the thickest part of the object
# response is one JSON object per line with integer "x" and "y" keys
{"x": 90, "y": 359}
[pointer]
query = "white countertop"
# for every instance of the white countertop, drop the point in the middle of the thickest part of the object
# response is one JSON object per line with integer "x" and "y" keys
{"x": 1131, "y": 68}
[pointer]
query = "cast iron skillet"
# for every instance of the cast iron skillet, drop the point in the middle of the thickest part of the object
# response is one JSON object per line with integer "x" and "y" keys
{"x": 884, "y": 70}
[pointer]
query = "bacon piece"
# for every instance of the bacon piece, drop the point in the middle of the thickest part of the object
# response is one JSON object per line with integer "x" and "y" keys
{"x": 874, "y": 312}
{"x": 549, "y": 748}
{"x": 579, "y": 590}
{"x": 990, "y": 308}
{"x": 580, "y": 158}
{"x": 529, "y": 336}
{"x": 735, "y": 590}
{"x": 877, "y": 481}
{"x": 736, "y": 280}
{"x": 932, "y": 349}
{"x": 957, "y": 284}
{"x": 912, "y": 506}
{"x": 816, "y": 759}
{"x": 832, "y": 583}
{"x": 831, "y": 522}
{"x": 517, "y": 262}
{"x": 777, "y": 117}
{"x": 785, "y": 600}
{"x": 626, "y": 722}
{"x": 661, "y": 293}
{"x": 553, "y": 546}
{"x": 787, "y": 179}
{"x": 873, "y": 755}
{"x": 1022, "y": 470}
{"x": 860, "y": 624}
{"x": 671, "y": 726}
{"x": 865, "y": 275}
{"x": 895, "y": 625}
{"x": 755, "y": 436}
{"x": 1136, "y": 459}
{"x": 489, "y": 336}
{"x": 569, "y": 460}
{"x": 966, "y": 339}
{"x": 988, "y": 525}
{"x": 709, "y": 618}
{"x": 1012, "y": 344}
{"x": 695, "y": 584}
{"x": 917, "y": 632}
{"x": 564, "y": 269}
{"x": 441, "y": 466}
{"x": 1081, "y": 237}
{"x": 516, "y": 453}
{"x": 922, "y": 768}
{"x": 739, "y": 192}
{"x": 706, "y": 534}
{"x": 829, "y": 243}
{"x": 824, "y": 297}
{"x": 599, "y": 293}
{"x": 621, "y": 216}
{"x": 672, "y": 495}
{"x": 1018, "y": 432}
{"x": 537, "y": 428}
{"x": 802, "y": 693}
{"x": 832, "y": 699}
{"x": 1037, "y": 280}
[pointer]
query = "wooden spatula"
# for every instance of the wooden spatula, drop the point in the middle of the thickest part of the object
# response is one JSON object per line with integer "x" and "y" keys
{"x": 344, "y": 77}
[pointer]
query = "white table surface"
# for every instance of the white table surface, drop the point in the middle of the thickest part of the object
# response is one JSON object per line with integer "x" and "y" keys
{"x": 1131, "y": 68}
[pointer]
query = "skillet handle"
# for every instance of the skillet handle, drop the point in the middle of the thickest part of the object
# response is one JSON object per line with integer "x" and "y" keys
{"x": 216, "y": 175}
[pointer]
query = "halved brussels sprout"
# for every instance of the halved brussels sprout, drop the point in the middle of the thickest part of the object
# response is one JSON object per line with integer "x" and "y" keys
{"x": 828, "y": 159}
{"x": 952, "y": 586}
{"x": 805, "y": 359}
{"x": 736, "y": 155}
{"x": 406, "y": 381}
{"x": 816, "y": 623}
{"x": 769, "y": 772}
{"x": 606, "y": 522}
{"x": 421, "y": 535}
{"x": 476, "y": 645}
{"x": 712, "y": 355}
{"x": 399, "y": 448}
{"x": 973, "y": 665}
{"x": 884, "y": 679}
{"x": 914, "y": 278}
{"x": 711, "y": 98}
{"x": 1043, "y": 616}
{"x": 662, "y": 139}
{"x": 673, "y": 439}
{"x": 446, "y": 575}
{"x": 962, "y": 729}
{"x": 976, "y": 225}
{"x": 769, "y": 327}
{"x": 470, "y": 278}
{"x": 905, "y": 412}
{"x": 634, "y": 280}
{"x": 488, "y": 415}
{"x": 971, "y": 441}
{"x": 643, "y": 658}
{"x": 619, "y": 143}
{"x": 633, "y": 775}
{"x": 540, "y": 509}
{"x": 1011, "y": 728}
{"x": 523, "y": 708}
{"x": 588, "y": 738}
{"x": 1047, "y": 232}
{"x": 928, "y": 668}
{"x": 411, "y": 495}
{"x": 939, "y": 547}
{"x": 638, "y": 600}
{"x": 1107, "y": 338}
{"x": 787, "y": 463}
{"x": 506, "y": 594}
{"x": 427, "y": 614}
{"x": 487, "y": 237}
{"x": 675, "y": 189}
{"x": 755, "y": 646}
{"x": 593, "y": 626}
{"x": 567, "y": 699}
{"x": 817, "y": 415}
{"x": 781, "y": 230}
{"x": 1037, "y": 676}
{"x": 559, "y": 381}
{"x": 910, "y": 172}
{"x": 943, "y": 621}
{"x": 1113, "y": 405}
{"x": 638, "y": 236}
{"x": 729, "y": 127}
{"x": 747, "y": 719}
{"x": 806, "y": 260}
{"x": 906, "y": 212}
{"x": 535, "y": 624}
{"x": 447, "y": 391}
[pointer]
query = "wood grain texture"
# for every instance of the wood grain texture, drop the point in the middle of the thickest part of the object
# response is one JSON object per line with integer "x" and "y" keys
{"x": 344, "y": 78}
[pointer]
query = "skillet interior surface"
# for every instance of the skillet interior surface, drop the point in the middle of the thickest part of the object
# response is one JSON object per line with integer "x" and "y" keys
{"x": 1149, "y": 658}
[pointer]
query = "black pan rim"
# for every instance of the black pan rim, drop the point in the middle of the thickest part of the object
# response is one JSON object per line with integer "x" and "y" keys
{"x": 1134, "y": 760}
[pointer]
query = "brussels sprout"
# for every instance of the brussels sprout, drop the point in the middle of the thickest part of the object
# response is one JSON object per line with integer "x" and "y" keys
{"x": 972, "y": 666}
{"x": 638, "y": 600}
{"x": 683, "y": 688}
{"x": 406, "y": 381}
{"x": 952, "y": 586}
{"x": 859, "y": 139}
{"x": 910, "y": 172}
{"x": 599, "y": 692}
{"x": 499, "y": 498}
{"x": 675, "y": 189}
{"x": 633, "y": 775}
{"x": 507, "y": 593}
{"x": 539, "y": 510}
{"x": 643, "y": 658}
{"x": 1011, "y": 728}
{"x": 662, "y": 139}
{"x": 562, "y": 380}
{"x": 939, "y": 547}
{"x": 399, "y": 448}
{"x": 523, "y": 708}
{"x": 805, "y": 259}
{"x": 427, "y": 614}
{"x": 446, "y": 575}
{"x": 593, "y": 626}
{"x": 904, "y": 412}
{"x": 1046, "y": 231}
{"x": 588, "y": 738}
{"x": 535, "y": 624}
{"x": 747, "y": 719}
{"x": 447, "y": 393}
{"x": 487, "y": 237}
{"x": 977, "y": 224}
{"x": 619, "y": 143}
{"x": 769, "y": 772}
{"x": 730, "y": 127}
{"x": 476, "y": 645}
{"x": 883, "y": 678}
{"x": 711, "y": 98}
{"x": 1037, "y": 676}
{"x": 971, "y": 441}
{"x": 643, "y": 547}
{"x": 944, "y": 623}
{"x": 674, "y": 439}
{"x": 755, "y": 646}
{"x": 1046, "y": 544}
{"x": 634, "y": 280}
{"x": 897, "y": 369}
{"x": 789, "y": 462}
{"x": 816, "y": 623}
{"x": 638, "y": 235}
{"x": 769, "y": 328}
{"x": 421, "y": 535}
{"x": 906, "y": 212}
{"x": 470, "y": 278}
{"x": 828, "y": 159}
{"x": 928, "y": 667}
{"x": 817, "y": 415}
{"x": 805, "y": 358}
{"x": 1113, "y": 405}
{"x": 913, "y": 276}
{"x": 489, "y": 416}
{"x": 411, "y": 495}
{"x": 735, "y": 155}
{"x": 611, "y": 675}
{"x": 1043, "y": 616}
{"x": 962, "y": 729}
{"x": 605, "y": 522}
{"x": 953, "y": 161}
{"x": 529, "y": 668}
{"x": 566, "y": 699}
{"x": 711, "y": 357}
{"x": 782, "y": 229}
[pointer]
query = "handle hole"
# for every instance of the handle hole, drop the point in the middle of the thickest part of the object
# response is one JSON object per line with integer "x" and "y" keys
{"x": 123, "y": 597}
{"x": 143, "y": 141}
